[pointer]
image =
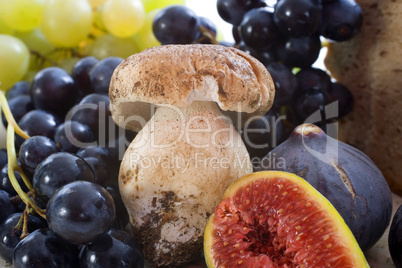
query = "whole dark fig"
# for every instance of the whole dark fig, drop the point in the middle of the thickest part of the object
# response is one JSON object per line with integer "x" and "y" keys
{"x": 343, "y": 174}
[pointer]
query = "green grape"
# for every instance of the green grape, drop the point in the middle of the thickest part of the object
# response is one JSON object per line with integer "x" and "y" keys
{"x": 123, "y": 18}
{"x": 14, "y": 60}
{"x": 108, "y": 45}
{"x": 4, "y": 28}
{"x": 36, "y": 41}
{"x": 145, "y": 37}
{"x": 154, "y": 4}
{"x": 98, "y": 19}
{"x": 96, "y": 3}
{"x": 66, "y": 23}
{"x": 22, "y": 15}
{"x": 68, "y": 64}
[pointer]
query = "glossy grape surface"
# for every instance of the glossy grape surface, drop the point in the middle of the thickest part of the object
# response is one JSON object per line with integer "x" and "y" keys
{"x": 80, "y": 212}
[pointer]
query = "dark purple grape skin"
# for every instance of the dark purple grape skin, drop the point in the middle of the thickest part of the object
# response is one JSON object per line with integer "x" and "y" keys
{"x": 58, "y": 170}
{"x": 262, "y": 135}
{"x": 94, "y": 111}
{"x": 72, "y": 136}
{"x": 116, "y": 249}
{"x": 44, "y": 249}
{"x": 207, "y": 25}
{"x": 11, "y": 236}
{"x": 6, "y": 207}
{"x": 265, "y": 56}
{"x": 299, "y": 52}
{"x": 122, "y": 218}
{"x": 19, "y": 106}
{"x": 38, "y": 123}
{"x": 344, "y": 97}
{"x": 100, "y": 170}
{"x": 3, "y": 158}
{"x": 18, "y": 89}
{"x": 232, "y": 11}
{"x": 340, "y": 20}
{"x": 53, "y": 89}
{"x": 285, "y": 83}
{"x": 102, "y": 72}
{"x": 395, "y": 238}
{"x": 236, "y": 34}
{"x": 257, "y": 29}
{"x": 80, "y": 212}
{"x": 176, "y": 25}
{"x": 33, "y": 151}
{"x": 314, "y": 78}
{"x": 309, "y": 102}
{"x": 80, "y": 74}
{"x": 297, "y": 18}
{"x": 104, "y": 155}
{"x": 5, "y": 183}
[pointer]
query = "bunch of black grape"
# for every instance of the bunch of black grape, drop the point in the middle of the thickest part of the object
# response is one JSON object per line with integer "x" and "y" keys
{"x": 71, "y": 160}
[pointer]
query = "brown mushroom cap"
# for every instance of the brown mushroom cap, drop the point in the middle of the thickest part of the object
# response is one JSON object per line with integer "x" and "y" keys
{"x": 177, "y": 75}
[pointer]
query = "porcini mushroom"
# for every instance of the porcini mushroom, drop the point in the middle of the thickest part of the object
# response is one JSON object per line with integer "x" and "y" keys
{"x": 181, "y": 161}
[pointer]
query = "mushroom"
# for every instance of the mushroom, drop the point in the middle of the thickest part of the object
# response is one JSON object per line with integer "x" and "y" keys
{"x": 187, "y": 153}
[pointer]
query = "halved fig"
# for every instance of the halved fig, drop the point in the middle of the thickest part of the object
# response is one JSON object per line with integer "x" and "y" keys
{"x": 277, "y": 219}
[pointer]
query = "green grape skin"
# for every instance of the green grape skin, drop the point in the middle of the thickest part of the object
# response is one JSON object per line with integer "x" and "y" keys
{"x": 123, "y": 18}
{"x": 66, "y": 23}
{"x": 35, "y": 41}
{"x": 108, "y": 45}
{"x": 154, "y": 4}
{"x": 4, "y": 28}
{"x": 14, "y": 60}
{"x": 22, "y": 15}
{"x": 96, "y": 3}
{"x": 145, "y": 37}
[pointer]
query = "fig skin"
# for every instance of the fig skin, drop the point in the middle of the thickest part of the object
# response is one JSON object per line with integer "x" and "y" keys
{"x": 395, "y": 238}
{"x": 347, "y": 177}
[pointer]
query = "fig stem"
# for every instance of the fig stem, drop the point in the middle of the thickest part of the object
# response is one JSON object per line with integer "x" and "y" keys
{"x": 13, "y": 167}
{"x": 9, "y": 116}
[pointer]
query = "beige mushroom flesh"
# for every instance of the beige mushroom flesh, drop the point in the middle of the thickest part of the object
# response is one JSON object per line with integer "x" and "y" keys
{"x": 183, "y": 158}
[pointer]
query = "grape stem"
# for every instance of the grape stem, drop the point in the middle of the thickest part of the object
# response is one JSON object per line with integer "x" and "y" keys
{"x": 9, "y": 116}
{"x": 14, "y": 167}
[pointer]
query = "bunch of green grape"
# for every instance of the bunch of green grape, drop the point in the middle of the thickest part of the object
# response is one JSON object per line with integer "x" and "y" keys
{"x": 35, "y": 34}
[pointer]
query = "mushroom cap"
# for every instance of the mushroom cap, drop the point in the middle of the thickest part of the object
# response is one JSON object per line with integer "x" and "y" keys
{"x": 177, "y": 75}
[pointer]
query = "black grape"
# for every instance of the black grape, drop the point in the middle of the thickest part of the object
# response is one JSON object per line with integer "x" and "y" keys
{"x": 285, "y": 83}
{"x": 33, "y": 151}
{"x": 11, "y": 236}
{"x": 340, "y": 20}
{"x": 53, "y": 89}
{"x": 73, "y": 135}
{"x": 115, "y": 249}
{"x": 100, "y": 170}
{"x": 101, "y": 74}
{"x": 80, "y": 74}
{"x": 80, "y": 212}
{"x": 314, "y": 78}
{"x": 122, "y": 218}
{"x": 297, "y": 18}
{"x": 38, "y": 123}
{"x": 176, "y": 25}
{"x": 6, "y": 207}
{"x": 5, "y": 183}
{"x": 19, "y": 106}
{"x": 18, "y": 89}
{"x": 309, "y": 102}
{"x": 57, "y": 170}
{"x": 232, "y": 11}
{"x": 299, "y": 52}
{"x": 344, "y": 97}
{"x": 44, "y": 249}
{"x": 257, "y": 29}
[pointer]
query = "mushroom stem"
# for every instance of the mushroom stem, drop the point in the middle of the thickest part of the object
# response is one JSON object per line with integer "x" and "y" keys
{"x": 178, "y": 167}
